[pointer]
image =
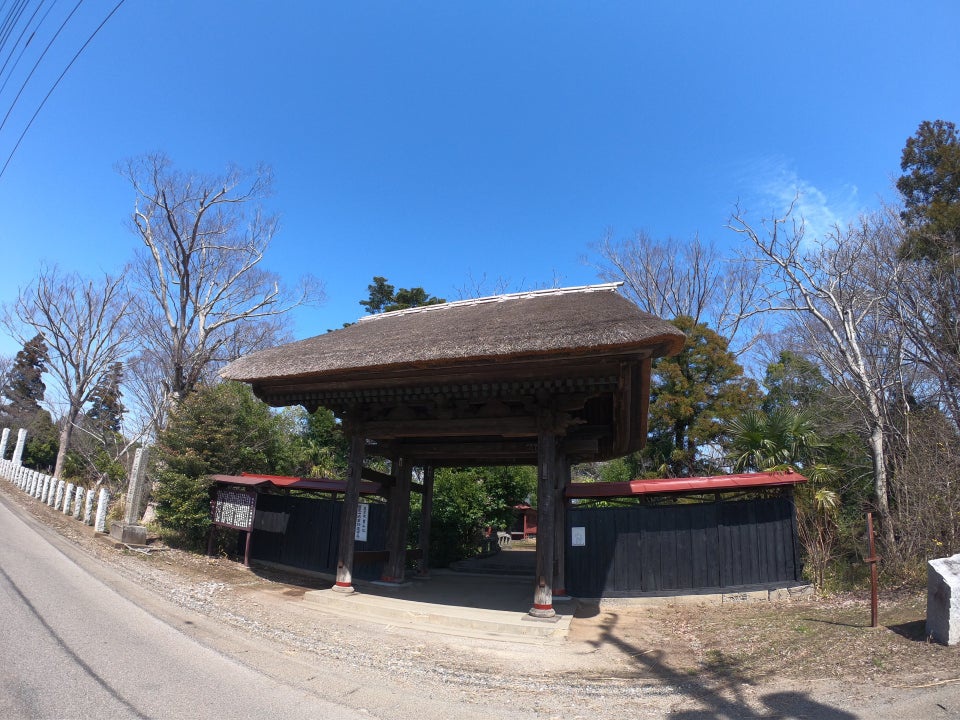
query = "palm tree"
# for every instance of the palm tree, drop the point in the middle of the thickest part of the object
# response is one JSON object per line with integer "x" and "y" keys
{"x": 787, "y": 438}
{"x": 766, "y": 441}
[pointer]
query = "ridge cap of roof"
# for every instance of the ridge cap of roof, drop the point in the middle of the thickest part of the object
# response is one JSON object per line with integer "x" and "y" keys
{"x": 602, "y": 287}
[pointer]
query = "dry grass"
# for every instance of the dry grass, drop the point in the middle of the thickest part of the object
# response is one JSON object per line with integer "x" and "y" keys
{"x": 826, "y": 639}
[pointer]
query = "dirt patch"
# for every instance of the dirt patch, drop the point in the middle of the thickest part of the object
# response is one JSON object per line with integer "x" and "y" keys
{"x": 614, "y": 649}
{"x": 800, "y": 640}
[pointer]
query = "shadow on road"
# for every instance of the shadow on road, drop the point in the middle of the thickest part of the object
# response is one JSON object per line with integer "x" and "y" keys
{"x": 718, "y": 687}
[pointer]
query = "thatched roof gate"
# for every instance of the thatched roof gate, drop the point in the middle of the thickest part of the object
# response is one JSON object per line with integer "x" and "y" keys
{"x": 547, "y": 377}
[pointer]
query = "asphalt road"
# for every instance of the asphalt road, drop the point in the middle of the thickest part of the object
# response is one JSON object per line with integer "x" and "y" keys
{"x": 73, "y": 647}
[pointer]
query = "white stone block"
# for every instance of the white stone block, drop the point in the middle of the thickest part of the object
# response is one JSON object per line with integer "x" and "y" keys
{"x": 18, "y": 450}
{"x": 45, "y": 491}
{"x": 78, "y": 503}
{"x": 56, "y": 497}
{"x": 104, "y": 500}
{"x": 68, "y": 499}
{"x": 943, "y": 600}
{"x": 88, "y": 507}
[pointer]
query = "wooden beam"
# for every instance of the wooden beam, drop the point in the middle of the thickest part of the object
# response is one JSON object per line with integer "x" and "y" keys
{"x": 561, "y": 480}
{"x": 348, "y": 515}
{"x": 426, "y": 519}
{"x": 646, "y": 368}
{"x": 398, "y": 513}
{"x": 546, "y": 496}
{"x": 376, "y": 476}
{"x": 462, "y": 427}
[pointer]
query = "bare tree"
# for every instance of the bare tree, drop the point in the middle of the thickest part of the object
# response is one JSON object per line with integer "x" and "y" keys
{"x": 671, "y": 278}
{"x": 204, "y": 298}
{"x": 84, "y": 325}
{"x": 836, "y": 295}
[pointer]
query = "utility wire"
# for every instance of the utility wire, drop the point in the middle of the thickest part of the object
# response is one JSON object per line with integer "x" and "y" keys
{"x": 56, "y": 83}
{"x": 25, "y": 46}
{"x": 39, "y": 60}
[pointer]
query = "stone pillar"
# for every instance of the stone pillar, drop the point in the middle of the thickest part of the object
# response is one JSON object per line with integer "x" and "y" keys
{"x": 68, "y": 499}
{"x": 101, "y": 523}
{"x": 57, "y": 497}
{"x": 18, "y": 450}
{"x": 348, "y": 514}
{"x": 398, "y": 518}
{"x": 137, "y": 486}
{"x": 4, "y": 439}
{"x": 943, "y": 599}
{"x": 130, "y": 531}
{"x": 45, "y": 491}
{"x": 546, "y": 494}
{"x": 78, "y": 503}
{"x": 426, "y": 515}
{"x": 88, "y": 507}
{"x": 560, "y": 528}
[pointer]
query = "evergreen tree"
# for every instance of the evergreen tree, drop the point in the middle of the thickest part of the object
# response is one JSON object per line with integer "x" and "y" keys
{"x": 23, "y": 388}
{"x": 106, "y": 409}
{"x": 381, "y": 295}
{"x": 693, "y": 395}
{"x": 220, "y": 429}
{"x": 385, "y": 298}
{"x": 793, "y": 381}
{"x": 930, "y": 187}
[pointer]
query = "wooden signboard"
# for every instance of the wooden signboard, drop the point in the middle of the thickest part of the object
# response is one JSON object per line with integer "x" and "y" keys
{"x": 233, "y": 508}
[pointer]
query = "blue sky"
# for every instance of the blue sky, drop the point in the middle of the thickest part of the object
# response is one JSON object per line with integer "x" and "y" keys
{"x": 437, "y": 142}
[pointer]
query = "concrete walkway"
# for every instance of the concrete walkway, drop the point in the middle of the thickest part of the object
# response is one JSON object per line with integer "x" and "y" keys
{"x": 481, "y": 597}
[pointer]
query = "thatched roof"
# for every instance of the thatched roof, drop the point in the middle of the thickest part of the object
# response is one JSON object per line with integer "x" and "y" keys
{"x": 549, "y": 324}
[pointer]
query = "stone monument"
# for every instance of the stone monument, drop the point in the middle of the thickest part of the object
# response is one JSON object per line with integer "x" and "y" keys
{"x": 943, "y": 600}
{"x": 130, "y": 531}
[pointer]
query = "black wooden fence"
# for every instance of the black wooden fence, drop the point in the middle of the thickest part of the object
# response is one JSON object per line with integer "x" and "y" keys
{"x": 681, "y": 547}
{"x": 304, "y": 532}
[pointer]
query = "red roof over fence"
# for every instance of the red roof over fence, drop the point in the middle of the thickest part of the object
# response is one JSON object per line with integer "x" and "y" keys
{"x": 716, "y": 483}
{"x": 286, "y": 482}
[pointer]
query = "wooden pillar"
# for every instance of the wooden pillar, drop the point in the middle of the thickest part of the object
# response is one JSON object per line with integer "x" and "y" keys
{"x": 426, "y": 515}
{"x": 348, "y": 515}
{"x": 398, "y": 517}
{"x": 560, "y": 527}
{"x": 546, "y": 520}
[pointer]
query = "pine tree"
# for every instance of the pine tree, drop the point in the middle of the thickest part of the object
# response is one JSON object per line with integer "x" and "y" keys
{"x": 385, "y": 298}
{"x": 930, "y": 187}
{"x": 23, "y": 388}
{"x": 106, "y": 409}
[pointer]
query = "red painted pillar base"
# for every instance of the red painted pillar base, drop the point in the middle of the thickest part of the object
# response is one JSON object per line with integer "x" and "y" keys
{"x": 542, "y": 611}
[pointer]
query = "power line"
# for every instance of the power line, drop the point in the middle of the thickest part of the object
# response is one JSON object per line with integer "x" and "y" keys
{"x": 37, "y": 63}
